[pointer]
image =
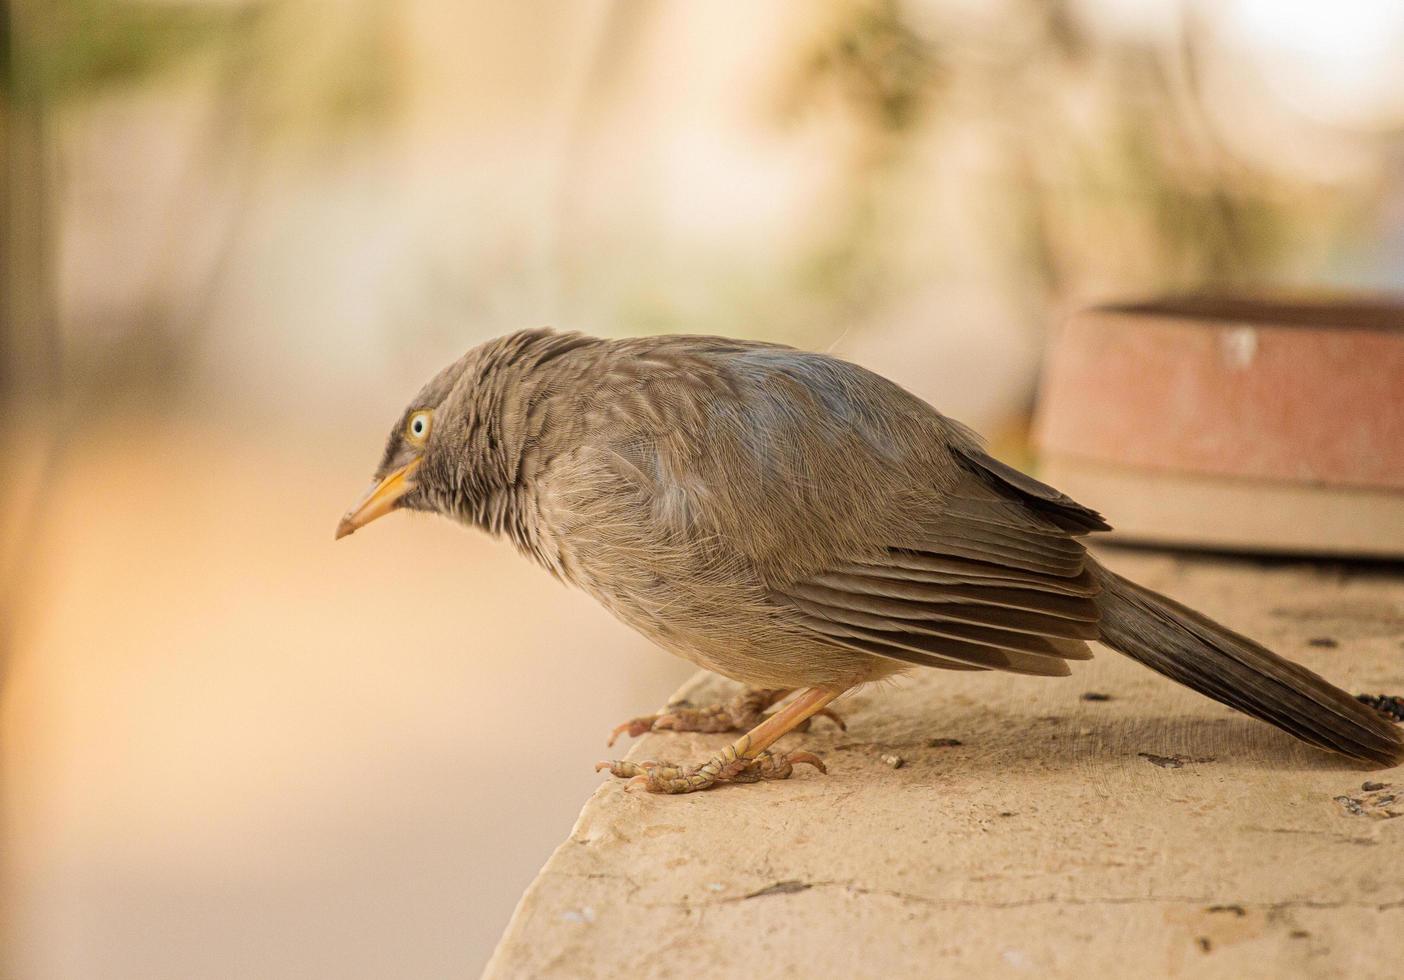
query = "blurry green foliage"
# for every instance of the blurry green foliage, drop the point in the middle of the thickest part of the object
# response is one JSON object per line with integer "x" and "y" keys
{"x": 62, "y": 50}
{"x": 884, "y": 70}
{"x": 884, "y": 78}
{"x": 1099, "y": 138}
{"x": 292, "y": 68}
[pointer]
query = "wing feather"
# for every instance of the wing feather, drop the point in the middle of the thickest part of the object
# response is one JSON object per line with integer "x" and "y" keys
{"x": 997, "y": 580}
{"x": 849, "y": 593}
{"x": 931, "y": 651}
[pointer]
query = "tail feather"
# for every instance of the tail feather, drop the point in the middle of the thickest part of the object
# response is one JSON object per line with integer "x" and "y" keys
{"x": 1192, "y": 649}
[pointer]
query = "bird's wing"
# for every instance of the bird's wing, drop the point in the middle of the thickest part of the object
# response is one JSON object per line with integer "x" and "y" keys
{"x": 991, "y": 581}
{"x": 943, "y": 555}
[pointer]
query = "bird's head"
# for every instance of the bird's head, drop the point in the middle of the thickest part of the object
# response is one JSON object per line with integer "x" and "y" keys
{"x": 456, "y": 447}
{"x": 421, "y": 442}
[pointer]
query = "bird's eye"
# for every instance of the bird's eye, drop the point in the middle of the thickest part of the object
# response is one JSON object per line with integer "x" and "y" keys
{"x": 418, "y": 427}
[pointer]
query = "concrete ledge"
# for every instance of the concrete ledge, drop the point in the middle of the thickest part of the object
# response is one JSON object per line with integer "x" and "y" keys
{"x": 1027, "y": 828}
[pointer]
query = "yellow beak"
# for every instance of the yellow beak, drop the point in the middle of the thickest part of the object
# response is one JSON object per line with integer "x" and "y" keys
{"x": 379, "y": 500}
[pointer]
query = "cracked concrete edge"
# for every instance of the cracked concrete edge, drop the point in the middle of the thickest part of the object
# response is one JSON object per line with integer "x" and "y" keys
{"x": 1237, "y": 935}
{"x": 1045, "y": 841}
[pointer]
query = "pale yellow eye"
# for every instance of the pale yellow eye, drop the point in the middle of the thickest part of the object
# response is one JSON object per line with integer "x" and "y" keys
{"x": 417, "y": 428}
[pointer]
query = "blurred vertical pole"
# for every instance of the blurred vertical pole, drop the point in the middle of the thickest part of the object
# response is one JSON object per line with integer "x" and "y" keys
{"x": 29, "y": 342}
{"x": 28, "y": 373}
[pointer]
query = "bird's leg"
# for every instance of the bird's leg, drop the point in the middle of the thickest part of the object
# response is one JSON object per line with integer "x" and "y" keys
{"x": 745, "y": 760}
{"x": 740, "y": 714}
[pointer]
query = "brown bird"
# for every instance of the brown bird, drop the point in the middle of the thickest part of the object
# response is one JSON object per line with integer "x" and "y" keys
{"x": 798, "y": 523}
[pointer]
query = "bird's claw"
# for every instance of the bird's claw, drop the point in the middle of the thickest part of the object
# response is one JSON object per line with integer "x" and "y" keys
{"x": 665, "y": 777}
{"x": 634, "y": 727}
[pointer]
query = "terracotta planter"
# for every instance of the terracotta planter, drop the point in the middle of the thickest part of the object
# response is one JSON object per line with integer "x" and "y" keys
{"x": 1233, "y": 424}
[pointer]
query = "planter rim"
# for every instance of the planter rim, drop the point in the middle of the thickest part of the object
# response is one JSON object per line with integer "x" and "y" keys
{"x": 1227, "y": 310}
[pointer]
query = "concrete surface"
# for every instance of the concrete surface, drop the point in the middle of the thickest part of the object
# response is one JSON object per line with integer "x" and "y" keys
{"x": 1152, "y": 833}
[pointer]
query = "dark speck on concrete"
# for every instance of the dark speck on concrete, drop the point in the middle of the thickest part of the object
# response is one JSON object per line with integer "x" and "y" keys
{"x": 1323, "y": 641}
{"x": 943, "y": 743}
{"x": 1172, "y": 761}
{"x": 1204, "y": 943}
{"x": 1237, "y": 910}
{"x": 782, "y": 888}
{"x": 1095, "y": 696}
{"x": 1163, "y": 761}
{"x": 1351, "y": 804}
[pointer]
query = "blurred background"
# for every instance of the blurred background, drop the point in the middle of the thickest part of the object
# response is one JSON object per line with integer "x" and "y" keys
{"x": 237, "y": 236}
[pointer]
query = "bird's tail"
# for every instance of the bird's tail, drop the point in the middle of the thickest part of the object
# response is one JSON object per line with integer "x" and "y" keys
{"x": 1215, "y": 661}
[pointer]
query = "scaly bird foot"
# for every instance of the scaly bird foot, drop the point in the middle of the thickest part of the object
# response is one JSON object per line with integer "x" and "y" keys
{"x": 740, "y": 714}
{"x": 725, "y": 767}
